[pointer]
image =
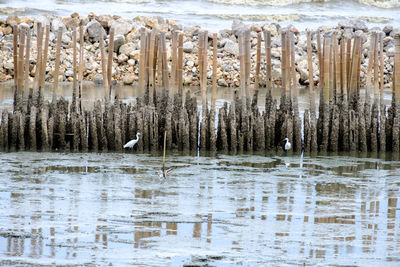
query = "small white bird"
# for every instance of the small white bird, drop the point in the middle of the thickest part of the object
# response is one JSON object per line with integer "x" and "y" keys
{"x": 133, "y": 142}
{"x": 288, "y": 145}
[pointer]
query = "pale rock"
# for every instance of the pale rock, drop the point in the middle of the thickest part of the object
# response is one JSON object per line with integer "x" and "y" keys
{"x": 188, "y": 47}
{"x": 231, "y": 48}
{"x": 95, "y": 30}
{"x": 121, "y": 26}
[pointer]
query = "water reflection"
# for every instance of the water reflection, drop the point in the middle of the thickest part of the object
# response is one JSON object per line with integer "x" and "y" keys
{"x": 250, "y": 210}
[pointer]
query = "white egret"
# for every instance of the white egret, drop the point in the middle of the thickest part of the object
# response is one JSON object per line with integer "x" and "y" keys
{"x": 133, "y": 142}
{"x": 288, "y": 145}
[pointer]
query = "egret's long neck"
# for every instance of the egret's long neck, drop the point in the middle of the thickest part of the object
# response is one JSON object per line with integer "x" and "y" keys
{"x": 137, "y": 137}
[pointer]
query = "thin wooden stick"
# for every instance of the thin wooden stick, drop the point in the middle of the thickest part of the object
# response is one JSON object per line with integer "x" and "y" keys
{"x": 267, "y": 42}
{"x": 258, "y": 61}
{"x": 110, "y": 61}
{"x": 214, "y": 73}
{"x": 57, "y": 64}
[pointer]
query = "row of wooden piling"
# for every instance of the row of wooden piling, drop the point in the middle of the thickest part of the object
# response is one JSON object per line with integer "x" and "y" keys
{"x": 344, "y": 121}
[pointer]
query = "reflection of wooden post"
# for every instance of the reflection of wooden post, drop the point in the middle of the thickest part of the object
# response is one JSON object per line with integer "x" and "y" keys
{"x": 180, "y": 64}
{"x": 310, "y": 72}
{"x": 110, "y": 61}
{"x": 258, "y": 61}
{"x": 57, "y": 64}
{"x": 267, "y": 42}
{"x": 15, "y": 53}
{"x": 214, "y": 73}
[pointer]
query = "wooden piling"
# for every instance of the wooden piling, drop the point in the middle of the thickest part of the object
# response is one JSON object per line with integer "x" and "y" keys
{"x": 180, "y": 64}
{"x": 104, "y": 67}
{"x": 267, "y": 43}
{"x": 74, "y": 85}
{"x": 142, "y": 59}
{"x": 110, "y": 61}
{"x": 57, "y": 65}
{"x": 258, "y": 62}
{"x": 214, "y": 72}
{"x": 15, "y": 53}
{"x": 27, "y": 65}
{"x": 43, "y": 64}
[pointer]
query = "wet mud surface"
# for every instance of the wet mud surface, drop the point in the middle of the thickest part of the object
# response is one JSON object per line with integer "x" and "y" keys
{"x": 89, "y": 209}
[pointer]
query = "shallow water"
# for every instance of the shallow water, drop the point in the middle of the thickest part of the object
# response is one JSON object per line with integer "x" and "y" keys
{"x": 248, "y": 210}
{"x": 218, "y": 14}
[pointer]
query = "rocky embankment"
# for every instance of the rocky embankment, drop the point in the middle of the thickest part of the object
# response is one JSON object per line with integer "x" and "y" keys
{"x": 127, "y": 47}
